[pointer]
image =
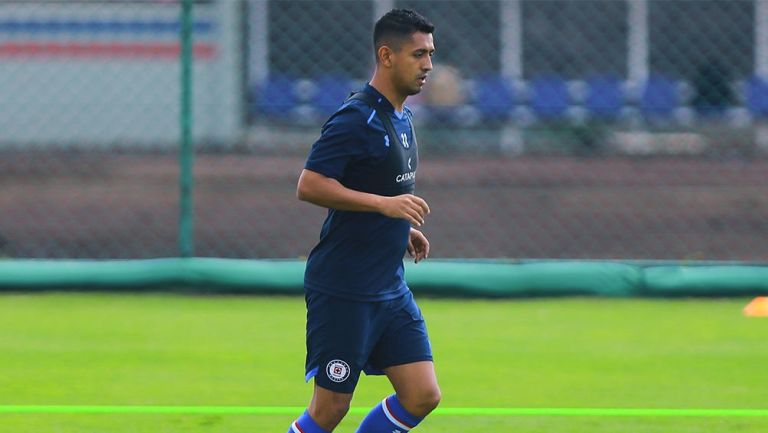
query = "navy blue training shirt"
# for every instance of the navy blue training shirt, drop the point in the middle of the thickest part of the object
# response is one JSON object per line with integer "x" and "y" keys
{"x": 360, "y": 254}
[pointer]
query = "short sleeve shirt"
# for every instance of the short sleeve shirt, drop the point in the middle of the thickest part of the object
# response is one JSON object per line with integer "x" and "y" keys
{"x": 360, "y": 254}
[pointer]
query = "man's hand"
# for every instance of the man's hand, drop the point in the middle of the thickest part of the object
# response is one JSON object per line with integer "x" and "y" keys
{"x": 418, "y": 245}
{"x": 406, "y": 206}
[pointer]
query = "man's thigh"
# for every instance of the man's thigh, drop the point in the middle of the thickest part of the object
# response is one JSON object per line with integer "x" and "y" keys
{"x": 412, "y": 379}
{"x": 339, "y": 341}
{"x": 404, "y": 340}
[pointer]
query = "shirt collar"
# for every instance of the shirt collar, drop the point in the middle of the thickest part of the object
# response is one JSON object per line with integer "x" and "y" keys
{"x": 381, "y": 98}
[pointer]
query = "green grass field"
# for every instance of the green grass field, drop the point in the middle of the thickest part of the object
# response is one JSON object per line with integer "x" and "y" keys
{"x": 168, "y": 350}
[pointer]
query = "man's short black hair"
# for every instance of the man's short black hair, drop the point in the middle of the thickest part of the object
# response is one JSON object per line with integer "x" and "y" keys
{"x": 397, "y": 25}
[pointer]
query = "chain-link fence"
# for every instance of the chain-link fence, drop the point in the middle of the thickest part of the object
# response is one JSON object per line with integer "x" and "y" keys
{"x": 621, "y": 129}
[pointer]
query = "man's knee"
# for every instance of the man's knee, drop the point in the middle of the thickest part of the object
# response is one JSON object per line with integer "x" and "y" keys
{"x": 329, "y": 410}
{"x": 331, "y": 414}
{"x": 431, "y": 398}
{"x": 337, "y": 409}
{"x": 422, "y": 402}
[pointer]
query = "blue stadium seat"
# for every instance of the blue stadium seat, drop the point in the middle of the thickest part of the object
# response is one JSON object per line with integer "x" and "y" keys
{"x": 275, "y": 97}
{"x": 756, "y": 96}
{"x": 332, "y": 90}
{"x": 659, "y": 98}
{"x": 549, "y": 97}
{"x": 494, "y": 97}
{"x": 605, "y": 98}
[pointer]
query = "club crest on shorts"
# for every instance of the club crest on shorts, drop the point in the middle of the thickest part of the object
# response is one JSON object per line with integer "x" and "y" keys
{"x": 337, "y": 370}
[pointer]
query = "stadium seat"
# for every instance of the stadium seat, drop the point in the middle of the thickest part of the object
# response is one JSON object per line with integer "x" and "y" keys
{"x": 332, "y": 90}
{"x": 659, "y": 98}
{"x": 605, "y": 98}
{"x": 549, "y": 97}
{"x": 275, "y": 97}
{"x": 756, "y": 96}
{"x": 494, "y": 97}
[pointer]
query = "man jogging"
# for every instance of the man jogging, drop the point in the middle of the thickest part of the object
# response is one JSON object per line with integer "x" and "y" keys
{"x": 361, "y": 315}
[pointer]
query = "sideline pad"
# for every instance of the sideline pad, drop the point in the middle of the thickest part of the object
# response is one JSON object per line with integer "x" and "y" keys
{"x": 485, "y": 278}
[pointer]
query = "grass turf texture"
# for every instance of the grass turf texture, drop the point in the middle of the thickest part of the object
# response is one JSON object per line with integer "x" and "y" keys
{"x": 165, "y": 350}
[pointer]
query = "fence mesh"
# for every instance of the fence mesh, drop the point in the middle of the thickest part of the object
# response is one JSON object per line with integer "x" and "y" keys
{"x": 599, "y": 129}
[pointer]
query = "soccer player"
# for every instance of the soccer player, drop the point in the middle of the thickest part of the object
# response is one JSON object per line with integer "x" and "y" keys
{"x": 361, "y": 315}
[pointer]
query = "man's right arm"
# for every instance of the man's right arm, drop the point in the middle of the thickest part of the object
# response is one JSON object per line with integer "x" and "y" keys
{"x": 327, "y": 192}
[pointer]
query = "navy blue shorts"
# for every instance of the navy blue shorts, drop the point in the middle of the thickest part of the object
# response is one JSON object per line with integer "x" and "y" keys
{"x": 347, "y": 337}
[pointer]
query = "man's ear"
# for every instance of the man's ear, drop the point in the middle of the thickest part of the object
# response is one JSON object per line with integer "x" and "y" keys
{"x": 384, "y": 54}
